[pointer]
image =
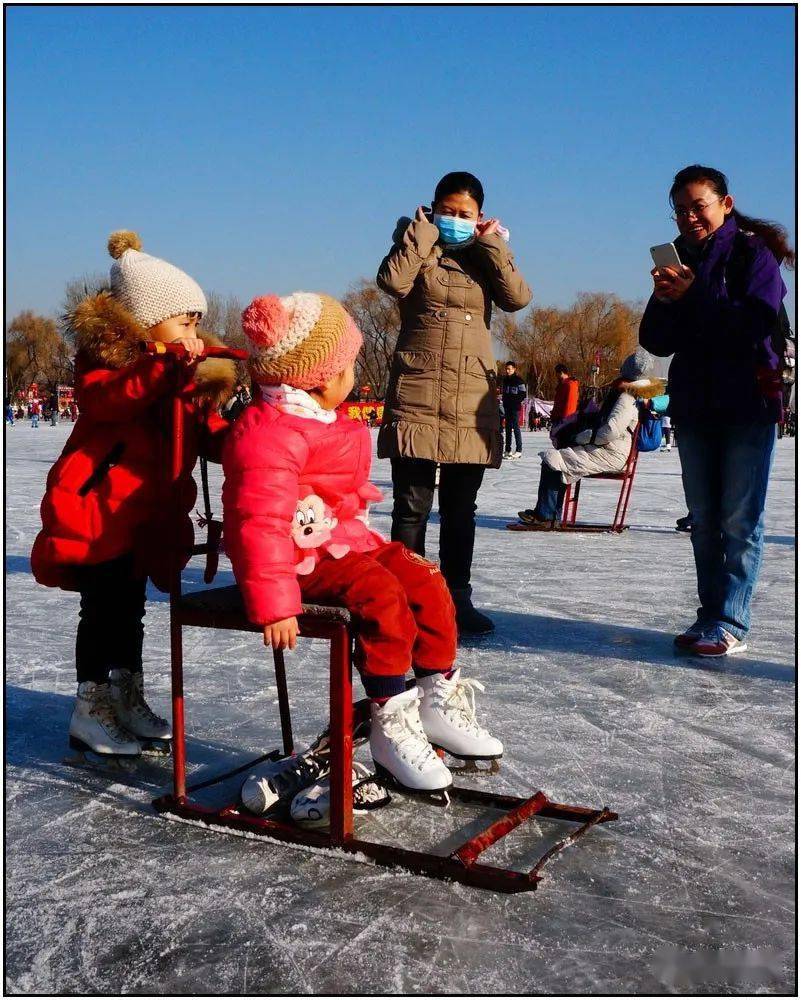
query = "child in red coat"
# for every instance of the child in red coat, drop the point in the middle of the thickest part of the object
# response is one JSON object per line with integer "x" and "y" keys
{"x": 107, "y": 523}
{"x": 296, "y": 528}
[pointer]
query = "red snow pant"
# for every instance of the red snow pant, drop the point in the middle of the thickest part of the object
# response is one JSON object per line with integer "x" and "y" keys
{"x": 402, "y": 607}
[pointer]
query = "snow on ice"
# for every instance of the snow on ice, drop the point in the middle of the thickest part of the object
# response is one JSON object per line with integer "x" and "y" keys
{"x": 692, "y": 889}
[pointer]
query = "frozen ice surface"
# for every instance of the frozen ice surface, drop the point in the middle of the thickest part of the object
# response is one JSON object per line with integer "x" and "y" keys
{"x": 693, "y": 889}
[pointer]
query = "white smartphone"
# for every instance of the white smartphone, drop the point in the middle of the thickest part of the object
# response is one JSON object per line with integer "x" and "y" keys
{"x": 666, "y": 255}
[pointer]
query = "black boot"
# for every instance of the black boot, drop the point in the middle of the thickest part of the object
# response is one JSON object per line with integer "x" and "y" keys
{"x": 469, "y": 621}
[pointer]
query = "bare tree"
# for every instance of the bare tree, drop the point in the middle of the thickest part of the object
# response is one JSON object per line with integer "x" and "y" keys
{"x": 35, "y": 352}
{"x": 505, "y": 330}
{"x": 377, "y": 316}
{"x": 602, "y": 327}
{"x": 17, "y": 368}
{"x": 224, "y": 318}
{"x": 597, "y": 324}
{"x": 536, "y": 344}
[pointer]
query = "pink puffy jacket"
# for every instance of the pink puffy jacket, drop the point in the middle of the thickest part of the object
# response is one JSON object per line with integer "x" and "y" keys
{"x": 271, "y": 461}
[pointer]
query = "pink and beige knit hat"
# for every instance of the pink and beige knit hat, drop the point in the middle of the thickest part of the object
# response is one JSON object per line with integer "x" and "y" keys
{"x": 302, "y": 340}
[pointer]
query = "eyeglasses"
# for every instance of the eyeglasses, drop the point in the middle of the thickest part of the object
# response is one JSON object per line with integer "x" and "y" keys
{"x": 697, "y": 209}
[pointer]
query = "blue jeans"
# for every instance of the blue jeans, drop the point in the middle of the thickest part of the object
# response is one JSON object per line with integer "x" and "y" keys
{"x": 512, "y": 421}
{"x": 725, "y": 473}
{"x": 551, "y": 494}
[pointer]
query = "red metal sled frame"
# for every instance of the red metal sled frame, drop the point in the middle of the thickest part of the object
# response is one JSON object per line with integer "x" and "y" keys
{"x": 461, "y": 865}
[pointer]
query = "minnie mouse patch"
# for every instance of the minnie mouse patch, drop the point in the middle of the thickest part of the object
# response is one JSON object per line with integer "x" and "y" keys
{"x": 312, "y": 529}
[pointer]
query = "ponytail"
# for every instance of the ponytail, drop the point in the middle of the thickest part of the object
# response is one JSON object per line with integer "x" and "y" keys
{"x": 773, "y": 235}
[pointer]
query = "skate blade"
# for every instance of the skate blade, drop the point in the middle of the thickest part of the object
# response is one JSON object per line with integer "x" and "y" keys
{"x": 156, "y": 748}
{"x": 436, "y": 797}
{"x": 104, "y": 763}
{"x": 468, "y": 765}
{"x": 487, "y": 767}
{"x": 82, "y": 755}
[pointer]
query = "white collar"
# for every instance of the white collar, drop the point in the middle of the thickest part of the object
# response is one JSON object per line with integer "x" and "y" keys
{"x": 298, "y": 402}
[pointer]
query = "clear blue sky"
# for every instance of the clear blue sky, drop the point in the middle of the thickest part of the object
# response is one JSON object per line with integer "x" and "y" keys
{"x": 273, "y": 149}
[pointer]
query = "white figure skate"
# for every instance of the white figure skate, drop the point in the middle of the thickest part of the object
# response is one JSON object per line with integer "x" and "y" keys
{"x": 448, "y": 715}
{"x": 95, "y": 732}
{"x": 400, "y": 749}
{"x": 134, "y": 713}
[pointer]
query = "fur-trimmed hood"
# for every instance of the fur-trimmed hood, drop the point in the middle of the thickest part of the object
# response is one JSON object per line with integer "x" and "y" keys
{"x": 644, "y": 388}
{"x": 108, "y": 336}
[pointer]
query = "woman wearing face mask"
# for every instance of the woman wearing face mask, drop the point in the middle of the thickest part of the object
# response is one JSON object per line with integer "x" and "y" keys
{"x": 447, "y": 268}
{"x": 721, "y": 318}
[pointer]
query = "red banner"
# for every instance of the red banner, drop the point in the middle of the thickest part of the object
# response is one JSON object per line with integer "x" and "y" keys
{"x": 362, "y": 411}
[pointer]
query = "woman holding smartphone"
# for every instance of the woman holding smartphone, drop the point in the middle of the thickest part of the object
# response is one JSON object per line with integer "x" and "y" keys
{"x": 447, "y": 267}
{"x": 720, "y": 315}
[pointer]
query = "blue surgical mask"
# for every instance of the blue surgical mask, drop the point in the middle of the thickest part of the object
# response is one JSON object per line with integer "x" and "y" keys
{"x": 453, "y": 230}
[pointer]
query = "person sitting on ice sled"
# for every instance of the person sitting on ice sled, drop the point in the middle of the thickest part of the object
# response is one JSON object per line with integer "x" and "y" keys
{"x": 295, "y": 470}
{"x": 595, "y": 442}
{"x": 106, "y": 523}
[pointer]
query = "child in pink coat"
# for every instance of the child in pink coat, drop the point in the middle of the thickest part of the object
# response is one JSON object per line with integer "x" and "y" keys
{"x": 295, "y": 501}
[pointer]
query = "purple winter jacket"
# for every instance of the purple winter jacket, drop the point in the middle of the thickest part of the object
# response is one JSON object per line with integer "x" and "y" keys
{"x": 727, "y": 361}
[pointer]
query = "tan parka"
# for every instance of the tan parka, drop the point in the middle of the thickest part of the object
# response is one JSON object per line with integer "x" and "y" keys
{"x": 442, "y": 401}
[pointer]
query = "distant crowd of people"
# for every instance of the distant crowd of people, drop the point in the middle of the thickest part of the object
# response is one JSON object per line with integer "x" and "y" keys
{"x": 47, "y": 410}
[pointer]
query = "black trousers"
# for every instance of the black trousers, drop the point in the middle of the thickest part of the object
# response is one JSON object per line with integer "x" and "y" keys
{"x": 512, "y": 420}
{"x": 413, "y": 492}
{"x": 110, "y": 629}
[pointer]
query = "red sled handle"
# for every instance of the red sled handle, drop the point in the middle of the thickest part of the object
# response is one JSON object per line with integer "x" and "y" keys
{"x": 162, "y": 352}
{"x": 158, "y": 349}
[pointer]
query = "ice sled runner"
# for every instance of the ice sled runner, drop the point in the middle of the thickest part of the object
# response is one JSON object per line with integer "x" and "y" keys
{"x": 335, "y": 780}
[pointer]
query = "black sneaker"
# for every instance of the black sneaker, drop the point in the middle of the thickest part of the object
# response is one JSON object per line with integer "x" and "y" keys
{"x": 684, "y": 523}
{"x": 529, "y": 516}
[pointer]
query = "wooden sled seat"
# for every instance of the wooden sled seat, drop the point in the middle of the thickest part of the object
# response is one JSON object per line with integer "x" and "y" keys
{"x": 222, "y": 607}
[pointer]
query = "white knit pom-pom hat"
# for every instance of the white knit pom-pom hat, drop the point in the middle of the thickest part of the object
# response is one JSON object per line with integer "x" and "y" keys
{"x": 151, "y": 289}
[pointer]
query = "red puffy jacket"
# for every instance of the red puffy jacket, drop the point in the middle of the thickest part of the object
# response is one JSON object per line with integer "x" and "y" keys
{"x": 109, "y": 493}
{"x": 271, "y": 460}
